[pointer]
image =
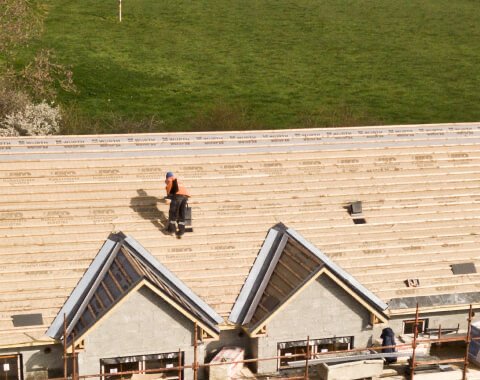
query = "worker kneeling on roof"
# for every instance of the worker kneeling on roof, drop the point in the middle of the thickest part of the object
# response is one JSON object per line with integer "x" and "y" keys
{"x": 179, "y": 196}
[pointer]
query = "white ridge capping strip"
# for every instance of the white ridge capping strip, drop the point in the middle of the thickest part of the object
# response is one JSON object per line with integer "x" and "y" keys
{"x": 206, "y": 143}
{"x": 153, "y": 138}
{"x": 274, "y": 137}
{"x": 55, "y": 329}
{"x": 337, "y": 270}
{"x": 226, "y": 150}
{"x": 219, "y": 144}
{"x": 174, "y": 280}
{"x": 252, "y": 278}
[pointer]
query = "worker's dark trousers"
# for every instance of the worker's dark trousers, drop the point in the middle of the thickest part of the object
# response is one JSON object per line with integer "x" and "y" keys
{"x": 176, "y": 213}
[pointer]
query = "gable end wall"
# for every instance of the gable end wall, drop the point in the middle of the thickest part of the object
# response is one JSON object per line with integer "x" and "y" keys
{"x": 142, "y": 324}
{"x": 322, "y": 310}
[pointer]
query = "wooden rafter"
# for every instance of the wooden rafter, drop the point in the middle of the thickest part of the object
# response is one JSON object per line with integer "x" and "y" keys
{"x": 122, "y": 269}
{"x": 278, "y": 289}
{"x": 305, "y": 252}
{"x": 115, "y": 281}
{"x": 263, "y": 308}
{"x": 135, "y": 264}
{"x": 90, "y": 309}
{"x": 99, "y": 300}
{"x": 288, "y": 270}
{"x": 292, "y": 263}
{"x": 109, "y": 295}
{"x": 315, "y": 264}
{"x": 81, "y": 321}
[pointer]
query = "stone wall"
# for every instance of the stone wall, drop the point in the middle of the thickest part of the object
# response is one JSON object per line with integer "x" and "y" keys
{"x": 143, "y": 324}
{"x": 322, "y": 310}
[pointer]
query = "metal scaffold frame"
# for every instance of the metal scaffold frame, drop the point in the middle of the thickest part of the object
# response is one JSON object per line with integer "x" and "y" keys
{"x": 308, "y": 357}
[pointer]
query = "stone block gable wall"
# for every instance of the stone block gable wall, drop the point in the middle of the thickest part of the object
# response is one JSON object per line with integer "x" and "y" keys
{"x": 322, "y": 310}
{"x": 141, "y": 325}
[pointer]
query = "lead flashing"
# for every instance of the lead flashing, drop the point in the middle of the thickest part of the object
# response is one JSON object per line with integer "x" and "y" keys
{"x": 265, "y": 279}
{"x": 397, "y": 305}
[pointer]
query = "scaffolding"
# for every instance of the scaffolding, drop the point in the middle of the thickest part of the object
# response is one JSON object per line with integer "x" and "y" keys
{"x": 304, "y": 359}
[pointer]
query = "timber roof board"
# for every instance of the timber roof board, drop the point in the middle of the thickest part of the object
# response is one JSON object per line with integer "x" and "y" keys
{"x": 62, "y": 196}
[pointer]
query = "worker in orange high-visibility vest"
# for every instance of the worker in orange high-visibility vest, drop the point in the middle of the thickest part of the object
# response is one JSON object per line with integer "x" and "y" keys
{"x": 179, "y": 197}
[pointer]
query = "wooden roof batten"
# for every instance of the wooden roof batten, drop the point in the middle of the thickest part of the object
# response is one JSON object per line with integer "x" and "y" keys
{"x": 121, "y": 267}
{"x": 255, "y": 306}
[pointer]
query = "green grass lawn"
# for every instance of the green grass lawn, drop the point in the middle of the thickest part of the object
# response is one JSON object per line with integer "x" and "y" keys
{"x": 271, "y": 63}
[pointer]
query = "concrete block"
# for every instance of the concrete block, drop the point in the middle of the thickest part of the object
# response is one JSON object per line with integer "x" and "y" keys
{"x": 423, "y": 348}
{"x": 352, "y": 370}
{"x": 226, "y": 355}
{"x": 450, "y": 375}
{"x": 148, "y": 376}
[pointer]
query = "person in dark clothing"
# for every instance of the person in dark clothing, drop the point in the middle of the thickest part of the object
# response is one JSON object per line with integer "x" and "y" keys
{"x": 178, "y": 195}
{"x": 388, "y": 339}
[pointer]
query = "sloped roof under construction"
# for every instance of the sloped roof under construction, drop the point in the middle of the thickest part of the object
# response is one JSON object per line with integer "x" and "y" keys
{"x": 61, "y": 197}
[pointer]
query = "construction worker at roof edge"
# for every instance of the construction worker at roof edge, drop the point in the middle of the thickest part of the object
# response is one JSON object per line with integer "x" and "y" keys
{"x": 179, "y": 196}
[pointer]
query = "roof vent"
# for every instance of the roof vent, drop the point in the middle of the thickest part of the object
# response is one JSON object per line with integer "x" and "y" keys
{"x": 355, "y": 211}
{"x": 355, "y": 208}
{"x": 463, "y": 268}
{"x": 20, "y": 320}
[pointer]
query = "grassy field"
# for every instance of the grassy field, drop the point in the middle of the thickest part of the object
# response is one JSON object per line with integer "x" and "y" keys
{"x": 228, "y": 64}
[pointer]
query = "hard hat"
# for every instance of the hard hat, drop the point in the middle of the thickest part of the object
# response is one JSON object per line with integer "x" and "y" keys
{"x": 169, "y": 174}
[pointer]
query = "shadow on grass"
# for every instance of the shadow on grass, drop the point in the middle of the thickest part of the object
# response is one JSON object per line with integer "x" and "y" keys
{"x": 146, "y": 206}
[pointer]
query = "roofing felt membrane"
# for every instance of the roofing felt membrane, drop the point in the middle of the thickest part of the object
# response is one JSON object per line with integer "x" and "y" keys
{"x": 61, "y": 197}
